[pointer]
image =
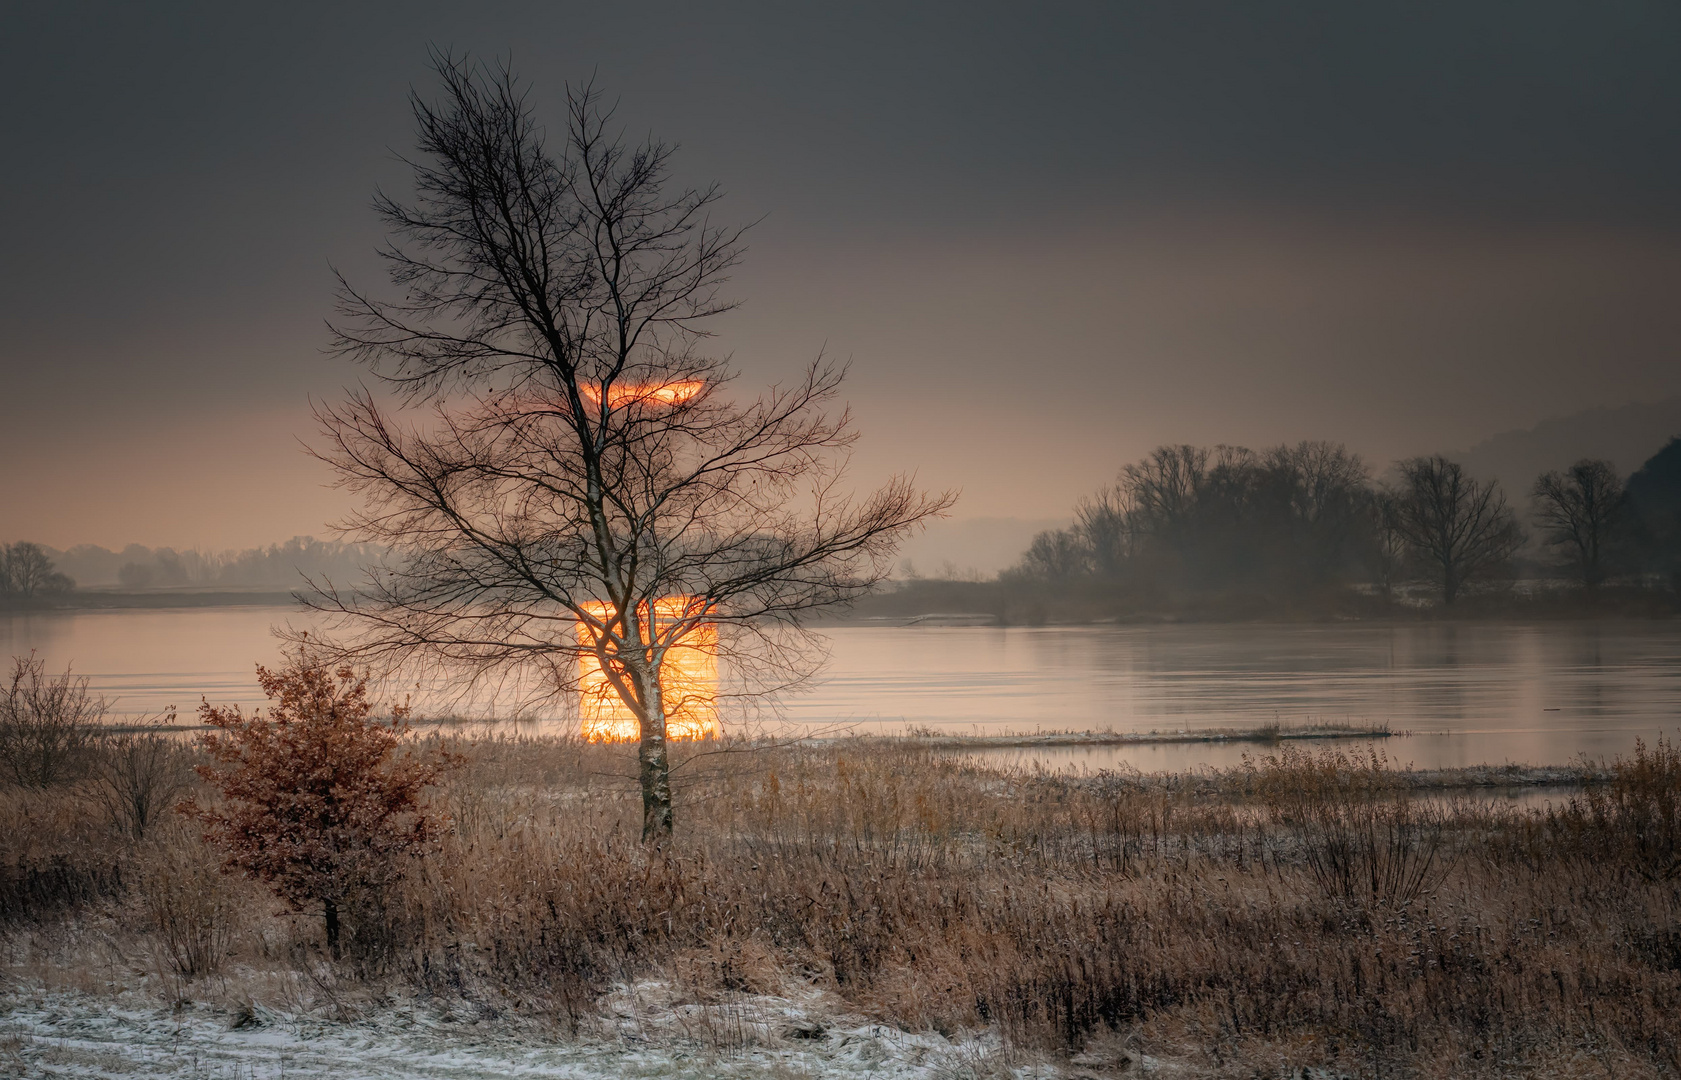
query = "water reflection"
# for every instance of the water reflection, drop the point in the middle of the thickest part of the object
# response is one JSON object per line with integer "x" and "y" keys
{"x": 1471, "y": 693}
{"x": 1542, "y": 693}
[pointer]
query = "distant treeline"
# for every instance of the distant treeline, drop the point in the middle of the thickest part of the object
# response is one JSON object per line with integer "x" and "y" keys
{"x": 1308, "y": 529}
{"x": 278, "y": 566}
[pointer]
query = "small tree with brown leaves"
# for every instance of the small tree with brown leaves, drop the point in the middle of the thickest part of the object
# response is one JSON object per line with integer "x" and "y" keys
{"x": 318, "y": 800}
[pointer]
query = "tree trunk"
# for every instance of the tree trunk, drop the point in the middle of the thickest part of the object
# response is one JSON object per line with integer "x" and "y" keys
{"x": 655, "y": 766}
{"x": 1450, "y": 587}
{"x": 1592, "y": 575}
{"x": 656, "y": 789}
{"x": 330, "y": 909}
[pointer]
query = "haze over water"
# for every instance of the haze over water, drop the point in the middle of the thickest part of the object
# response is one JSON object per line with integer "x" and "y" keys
{"x": 1543, "y": 693}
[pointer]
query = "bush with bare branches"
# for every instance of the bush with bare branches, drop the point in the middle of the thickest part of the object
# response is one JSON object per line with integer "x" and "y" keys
{"x": 1364, "y": 837}
{"x": 137, "y": 776}
{"x": 46, "y": 723}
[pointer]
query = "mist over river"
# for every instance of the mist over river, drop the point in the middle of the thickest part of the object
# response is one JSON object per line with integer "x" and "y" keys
{"x": 1469, "y": 693}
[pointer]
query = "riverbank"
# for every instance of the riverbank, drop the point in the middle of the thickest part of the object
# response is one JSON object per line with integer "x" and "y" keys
{"x": 983, "y": 752}
{"x": 925, "y": 602}
{"x": 873, "y": 903}
{"x": 149, "y": 599}
{"x": 1266, "y": 734}
{"x": 931, "y": 603}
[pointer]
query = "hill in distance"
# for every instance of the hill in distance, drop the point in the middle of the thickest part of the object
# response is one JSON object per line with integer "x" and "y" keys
{"x": 1625, "y": 435}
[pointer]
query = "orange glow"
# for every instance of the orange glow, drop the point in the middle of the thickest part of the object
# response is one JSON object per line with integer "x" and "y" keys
{"x": 671, "y": 393}
{"x": 688, "y": 682}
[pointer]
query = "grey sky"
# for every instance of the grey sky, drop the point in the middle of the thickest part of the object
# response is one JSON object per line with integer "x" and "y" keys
{"x": 1049, "y": 236}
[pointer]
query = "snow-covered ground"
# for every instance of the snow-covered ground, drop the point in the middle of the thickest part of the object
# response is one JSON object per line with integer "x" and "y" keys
{"x": 646, "y": 1033}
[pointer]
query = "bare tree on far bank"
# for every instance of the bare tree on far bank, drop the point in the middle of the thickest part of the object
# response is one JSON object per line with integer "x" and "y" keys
{"x": 1389, "y": 547}
{"x": 1581, "y": 511}
{"x": 1460, "y": 528}
{"x": 1188, "y": 519}
{"x": 26, "y": 572}
{"x": 1302, "y": 530}
{"x": 567, "y": 455}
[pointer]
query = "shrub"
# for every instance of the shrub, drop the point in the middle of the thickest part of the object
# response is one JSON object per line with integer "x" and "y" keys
{"x": 317, "y": 801}
{"x": 46, "y": 724}
{"x": 136, "y": 776}
{"x": 56, "y": 856}
{"x": 1363, "y": 837}
{"x": 190, "y": 909}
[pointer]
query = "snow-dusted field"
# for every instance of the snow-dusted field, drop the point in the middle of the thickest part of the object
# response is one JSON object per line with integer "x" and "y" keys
{"x": 61, "y": 1034}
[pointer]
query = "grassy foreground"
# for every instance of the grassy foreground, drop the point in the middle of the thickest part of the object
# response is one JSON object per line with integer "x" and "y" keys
{"x": 1311, "y": 911}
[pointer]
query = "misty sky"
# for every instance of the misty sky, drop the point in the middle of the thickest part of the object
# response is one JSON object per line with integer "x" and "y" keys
{"x": 1049, "y": 237}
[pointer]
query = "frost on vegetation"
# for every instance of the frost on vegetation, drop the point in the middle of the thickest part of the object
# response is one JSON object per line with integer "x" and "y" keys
{"x": 647, "y": 1030}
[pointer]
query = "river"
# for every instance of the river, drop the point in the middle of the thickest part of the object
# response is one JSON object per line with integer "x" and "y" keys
{"x": 1467, "y": 693}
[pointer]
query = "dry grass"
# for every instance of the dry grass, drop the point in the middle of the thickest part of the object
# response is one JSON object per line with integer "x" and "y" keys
{"x": 1309, "y": 911}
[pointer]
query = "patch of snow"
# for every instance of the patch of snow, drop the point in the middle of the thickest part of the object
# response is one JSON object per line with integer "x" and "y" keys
{"x": 648, "y": 1032}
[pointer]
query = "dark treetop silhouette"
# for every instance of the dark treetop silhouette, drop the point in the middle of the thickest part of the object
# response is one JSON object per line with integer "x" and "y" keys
{"x": 570, "y": 457}
{"x": 1581, "y": 512}
{"x": 1459, "y": 527}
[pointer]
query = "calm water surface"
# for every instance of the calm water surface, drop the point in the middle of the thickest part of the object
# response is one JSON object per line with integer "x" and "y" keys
{"x": 1540, "y": 694}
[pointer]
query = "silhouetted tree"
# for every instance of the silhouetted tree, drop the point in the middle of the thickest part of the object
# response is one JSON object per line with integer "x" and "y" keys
{"x": 1324, "y": 501}
{"x": 1103, "y": 533}
{"x": 1192, "y": 518}
{"x": 1164, "y": 491}
{"x": 1389, "y": 544}
{"x": 26, "y": 571}
{"x": 1459, "y": 528}
{"x": 582, "y": 460}
{"x": 1581, "y": 512}
{"x": 1056, "y": 554}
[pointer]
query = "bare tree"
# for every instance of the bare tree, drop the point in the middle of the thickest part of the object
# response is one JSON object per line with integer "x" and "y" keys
{"x": 27, "y": 571}
{"x": 1459, "y": 528}
{"x": 582, "y": 483}
{"x": 1389, "y": 545}
{"x": 1324, "y": 491}
{"x": 1164, "y": 489}
{"x": 1321, "y": 481}
{"x": 1056, "y": 555}
{"x": 1105, "y": 523}
{"x": 1224, "y": 517}
{"x": 1580, "y": 512}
